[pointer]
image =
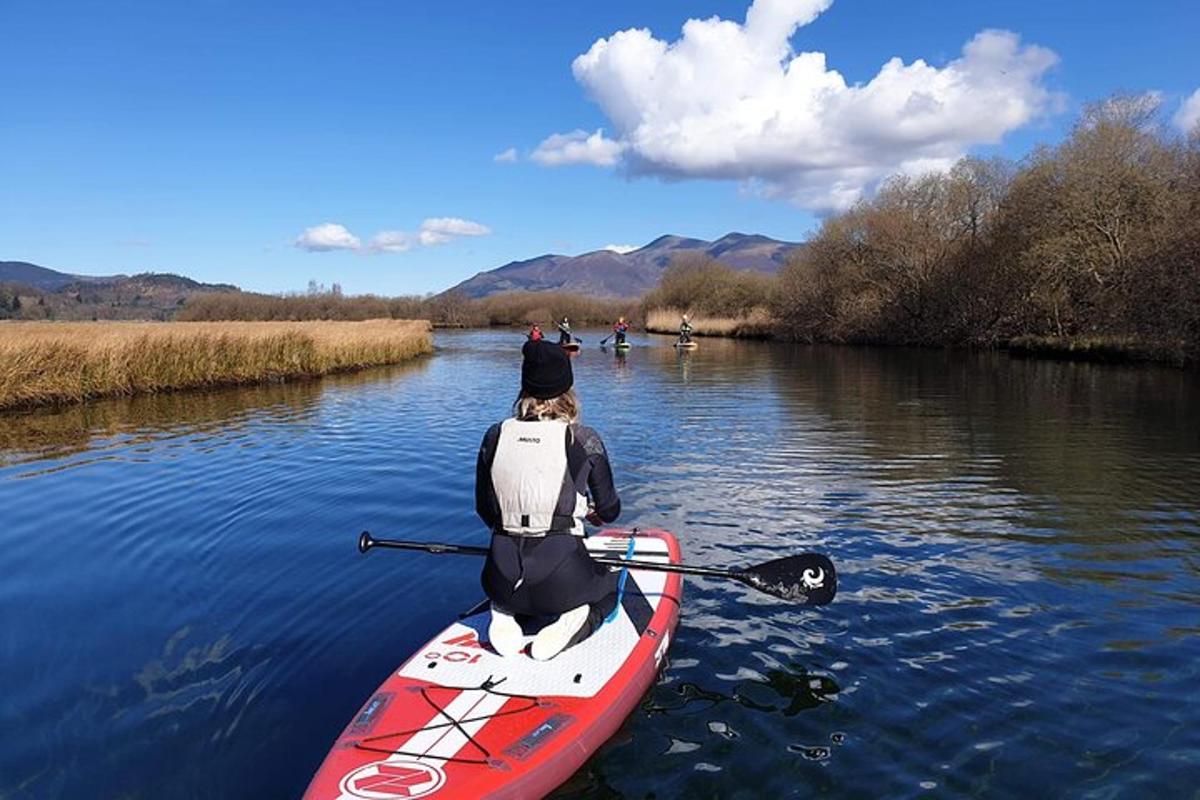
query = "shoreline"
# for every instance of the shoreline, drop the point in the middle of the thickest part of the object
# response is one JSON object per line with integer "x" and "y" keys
{"x": 1086, "y": 349}
{"x": 59, "y": 363}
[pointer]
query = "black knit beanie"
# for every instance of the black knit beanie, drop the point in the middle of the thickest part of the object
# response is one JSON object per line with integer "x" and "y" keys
{"x": 545, "y": 370}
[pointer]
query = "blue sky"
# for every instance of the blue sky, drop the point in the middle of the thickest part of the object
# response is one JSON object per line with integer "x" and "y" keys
{"x": 206, "y": 137}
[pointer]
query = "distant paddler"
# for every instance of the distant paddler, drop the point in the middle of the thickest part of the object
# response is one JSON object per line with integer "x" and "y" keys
{"x": 564, "y": 331}
{"x": 535, "y": 334}
{"x": 685, "y": 333}
{"x": 619, "y": 330}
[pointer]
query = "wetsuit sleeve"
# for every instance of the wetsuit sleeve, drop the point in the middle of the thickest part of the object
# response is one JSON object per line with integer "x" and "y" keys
{"x": 486, "y": 504}
{"x": 600, "y": 478}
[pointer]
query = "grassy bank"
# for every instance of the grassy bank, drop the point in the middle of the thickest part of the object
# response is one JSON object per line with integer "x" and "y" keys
{"x": 755, "y": 324}
{"x": 44, "y": 363}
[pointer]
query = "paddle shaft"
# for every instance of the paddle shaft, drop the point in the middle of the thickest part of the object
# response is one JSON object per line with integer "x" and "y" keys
{"x": 810, "y": 576}
{"x": 366, "y": 542}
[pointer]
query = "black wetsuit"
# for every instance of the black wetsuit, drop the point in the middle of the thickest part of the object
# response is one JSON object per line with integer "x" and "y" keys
{"x": 546, "y": 575}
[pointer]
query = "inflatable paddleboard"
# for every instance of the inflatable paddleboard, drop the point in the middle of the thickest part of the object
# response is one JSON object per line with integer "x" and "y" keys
{"x": 459, "y": 721}
{"x": 687, "y": 345}
{"x": 571, "y": 347}
{"x": 622, "y": 346}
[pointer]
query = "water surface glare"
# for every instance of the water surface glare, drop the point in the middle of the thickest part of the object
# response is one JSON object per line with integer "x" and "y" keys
{"x": 185, "y": 613}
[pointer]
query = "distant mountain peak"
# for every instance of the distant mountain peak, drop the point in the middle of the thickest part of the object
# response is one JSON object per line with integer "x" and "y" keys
{"x": 607, "y": 273}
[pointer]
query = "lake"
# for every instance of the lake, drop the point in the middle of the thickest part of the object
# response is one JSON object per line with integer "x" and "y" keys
{"x": 185, "y": 613}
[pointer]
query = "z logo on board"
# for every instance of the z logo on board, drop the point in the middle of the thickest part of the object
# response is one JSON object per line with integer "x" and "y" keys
{"x": 389, "y": 780}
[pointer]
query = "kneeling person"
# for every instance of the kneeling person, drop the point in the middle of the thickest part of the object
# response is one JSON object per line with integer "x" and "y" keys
{"x": 533, "y": 479}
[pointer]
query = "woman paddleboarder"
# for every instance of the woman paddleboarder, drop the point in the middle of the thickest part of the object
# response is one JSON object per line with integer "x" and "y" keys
{"x": 533, "y": 479}
{"x": 619, "y": 330}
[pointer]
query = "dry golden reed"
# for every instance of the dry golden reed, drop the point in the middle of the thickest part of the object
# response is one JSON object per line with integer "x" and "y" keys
{"x": 757, "y": 322}
{"x": 68, "y": 362}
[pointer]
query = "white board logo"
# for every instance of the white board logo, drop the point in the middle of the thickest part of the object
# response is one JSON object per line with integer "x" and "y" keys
{"x": 388, "y": 780}
{"x": 813, "y": 578}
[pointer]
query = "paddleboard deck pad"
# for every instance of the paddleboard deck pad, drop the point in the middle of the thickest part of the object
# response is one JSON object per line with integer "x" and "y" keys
{"x": 457, "y": 720}
{"x": 622, "y": 346}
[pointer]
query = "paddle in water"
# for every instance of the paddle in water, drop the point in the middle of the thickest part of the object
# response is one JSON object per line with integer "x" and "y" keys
{"x": 808, "y": 578}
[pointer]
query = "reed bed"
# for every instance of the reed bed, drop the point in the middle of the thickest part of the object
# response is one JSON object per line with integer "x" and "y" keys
{"x": 47, "y": 363}
{"x": 755, "y": 324}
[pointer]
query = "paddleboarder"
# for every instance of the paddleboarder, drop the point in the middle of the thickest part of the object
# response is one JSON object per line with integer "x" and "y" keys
{"x": 535, "y": 334}
{"x": 564, "y": 331}
{"x": 538, "y": 476}
{"x": 685, "y": 330}
{"x": 620, "y": 329}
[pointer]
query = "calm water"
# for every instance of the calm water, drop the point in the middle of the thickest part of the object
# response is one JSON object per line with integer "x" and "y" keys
{"x": 185, "y": 614}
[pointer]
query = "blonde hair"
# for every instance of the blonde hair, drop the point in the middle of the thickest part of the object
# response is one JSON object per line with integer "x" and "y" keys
{"x": 565, "y": 407}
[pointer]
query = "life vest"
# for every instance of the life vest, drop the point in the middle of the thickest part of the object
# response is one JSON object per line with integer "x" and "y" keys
{"x": 532, "y": 480}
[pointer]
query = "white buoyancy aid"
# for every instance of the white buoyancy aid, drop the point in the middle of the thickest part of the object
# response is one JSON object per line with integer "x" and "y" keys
{"x": 532, "y": 481}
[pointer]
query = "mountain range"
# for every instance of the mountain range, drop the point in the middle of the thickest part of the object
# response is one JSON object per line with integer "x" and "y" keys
{"x": 29, "y": 291}
{"x": 46, "y": 293}
{"x": 607, "y": 273}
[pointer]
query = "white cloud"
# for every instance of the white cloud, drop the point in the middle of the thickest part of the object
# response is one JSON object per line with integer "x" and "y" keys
{"x": 732, "y": 100}
{"x": 1188, "y": 115}
{"x": 433, "y": 231}
{"x": 620, "y": 248}
{"x": 440, "y": 230}
{"x": 577, "y": 147}
{"x": 455, "y": 226}
{"x": 508, "y": 156}
{"x": 326, "y": 237}
{"x": 391, "y": 242}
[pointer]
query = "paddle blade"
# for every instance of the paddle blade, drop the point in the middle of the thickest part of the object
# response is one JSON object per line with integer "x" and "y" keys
{"x": 365, "y": 542}
{"x": 808, "y": 578}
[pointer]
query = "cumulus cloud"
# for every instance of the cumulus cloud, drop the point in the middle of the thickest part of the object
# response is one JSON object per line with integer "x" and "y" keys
{"x": 326, "y": 237}
{"x": 620, "y": 248}
{"x": 439, "y": 230}
{"x": 731, "y": 100}
{"x": 508, "y": 156}
{"x": 455, "y": 226}
{"x": 577, "y": 147}
{"x": 391, "y": 242}
{"x": 433, "y": 231}
{"x": 1188, "y": 115}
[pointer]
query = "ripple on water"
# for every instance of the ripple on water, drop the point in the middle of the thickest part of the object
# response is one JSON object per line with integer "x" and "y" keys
{"x": 1017, "y": 545}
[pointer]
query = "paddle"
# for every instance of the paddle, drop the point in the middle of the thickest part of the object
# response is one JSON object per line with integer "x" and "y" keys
{"x": 808, "y": 578}
{"x": 605, "y": 339}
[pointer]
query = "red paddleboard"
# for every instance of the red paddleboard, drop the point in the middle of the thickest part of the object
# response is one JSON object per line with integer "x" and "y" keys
{"x": 457, "y": 720}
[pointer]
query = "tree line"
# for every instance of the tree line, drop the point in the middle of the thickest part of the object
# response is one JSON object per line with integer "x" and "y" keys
{"x": 1093, "y": 243}
{"x": 1096, "y": 238}
{"x": 450, "y": 309}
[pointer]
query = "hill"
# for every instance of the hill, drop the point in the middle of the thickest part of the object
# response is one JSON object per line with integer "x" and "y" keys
{"x": 26, "y": 274}
{"x": 29, "y": 291}
{"x": 605, "y": 273}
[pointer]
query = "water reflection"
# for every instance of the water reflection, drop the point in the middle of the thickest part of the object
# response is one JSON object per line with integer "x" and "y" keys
{"x": 55, "y": 433}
